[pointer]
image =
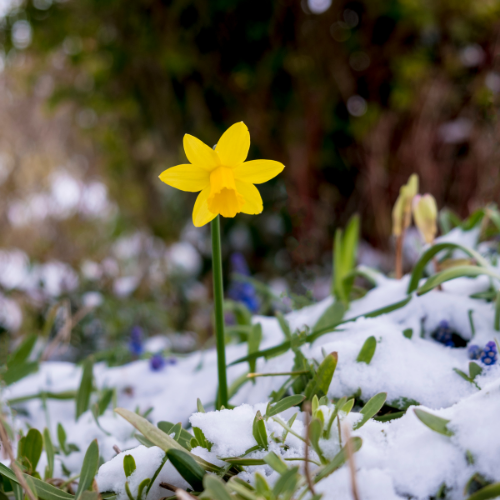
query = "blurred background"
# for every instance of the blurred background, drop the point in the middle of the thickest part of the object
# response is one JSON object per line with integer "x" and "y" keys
{"x": 352, "y": 96}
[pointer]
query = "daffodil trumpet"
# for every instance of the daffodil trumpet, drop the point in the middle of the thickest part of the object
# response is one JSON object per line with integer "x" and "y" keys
{"x": 226, "y": 185}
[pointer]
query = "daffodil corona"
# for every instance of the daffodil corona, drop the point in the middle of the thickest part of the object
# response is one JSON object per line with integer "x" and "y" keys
{"x": 225, "y": 179}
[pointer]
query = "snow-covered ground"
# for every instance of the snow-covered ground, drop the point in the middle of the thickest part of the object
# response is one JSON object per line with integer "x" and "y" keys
{"x": 399, "y": 459}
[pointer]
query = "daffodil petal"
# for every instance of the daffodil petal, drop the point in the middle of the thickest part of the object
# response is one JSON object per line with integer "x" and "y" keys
{"x": 253, "y": 200}
{"x": 186, "y": 177}
{"x": 199, "y": 153}
{"x": 201, "y": 213}
{"x": 258, "y": 171}
{"x": 234, "y": 144}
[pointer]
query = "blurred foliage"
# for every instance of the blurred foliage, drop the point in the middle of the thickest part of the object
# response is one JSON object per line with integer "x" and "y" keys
{"x": 352, "y": 100}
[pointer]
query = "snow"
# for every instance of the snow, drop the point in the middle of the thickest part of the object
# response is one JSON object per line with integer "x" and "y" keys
{"x": 398, "y": 459}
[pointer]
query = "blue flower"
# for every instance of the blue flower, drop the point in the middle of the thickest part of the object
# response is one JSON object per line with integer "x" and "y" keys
{"x": 444, "y": 334}
{"x": 135, "y": 344}
{"x": 489, "y": 355}
{"x": 241, "y": 291}
{"x": 156, "y": 362}
{"x": 474, "y": 351}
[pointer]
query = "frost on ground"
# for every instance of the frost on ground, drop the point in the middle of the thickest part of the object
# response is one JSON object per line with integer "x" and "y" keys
{"x": 399, "y": 459}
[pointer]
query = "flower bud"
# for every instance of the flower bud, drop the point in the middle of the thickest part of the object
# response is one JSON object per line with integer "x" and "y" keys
{"x": 401, "y": 213}
{"x": 425, "y": 215}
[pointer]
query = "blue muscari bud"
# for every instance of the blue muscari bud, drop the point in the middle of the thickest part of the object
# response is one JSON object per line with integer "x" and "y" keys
{"x": 240, "y": 291}
{"x": 489, "y": 355}
{"x": 443, "y": 334}
{"x": 135, "y": 344}
{"x": 475, "y": 351}
{"x": 156, "y": 362}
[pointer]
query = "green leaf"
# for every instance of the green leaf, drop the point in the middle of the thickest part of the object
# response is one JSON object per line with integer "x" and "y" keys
{"x": 199, "y": 406}
{"x": 331, "y": 317}
{"x": 348, "y": 406}
{"x": 43, "y": 490}
{"x": 474, "y": 370}
{"x": 338, "y": 406}
{"x": 22, "y": 353}
{"x": 490, "y": 491}
{"x": 390, "y": 416}
{"x": 276, "y": 463}
{"x": 216, "y": 488}
{"x": 105, "y": 400}
{"x": 315, "y": 432}
{"x": 144, "y": 484}
{"x": 32, "y": 449}
{"x": 338, "y": 460}
{"x": 285, "y": 327}
{"x": 128, "y": 465}
{"x": 202, "y": 440}
{"x": 320, "y": 384}
{"x": 367, "y": 351}
{"x": 259, "y": 431}
{"x": 61, "y": 437}
{"x": 19, "y": 371}
{"x": 254, "y": 340}
{"x": 49, "y": 451}
{"x": 159, "y": 438}
{"x": 144, "y": 441}
{"x": 285, "y": 486}
{"x": 89, "y": 468}
{"x": 187, "y": 467}
{"x": 434, "y": 423}
{"x": 453, "y": 273}
{"x": 157, "y": 471}
{"x": 427, "y": 256}
{"x": 408, "y": 333}
{"x": 371, "y": 408}
{"x": 85, "y": 389}
{"x": 182, "y": 436}
{"x": 284, "y": 405}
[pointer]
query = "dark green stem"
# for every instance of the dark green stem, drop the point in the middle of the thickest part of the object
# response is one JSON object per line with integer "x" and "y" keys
{"x": 219, "y": 311}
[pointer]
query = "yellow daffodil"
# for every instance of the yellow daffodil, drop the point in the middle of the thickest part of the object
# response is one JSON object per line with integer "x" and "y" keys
{"x": 225, "y": 179}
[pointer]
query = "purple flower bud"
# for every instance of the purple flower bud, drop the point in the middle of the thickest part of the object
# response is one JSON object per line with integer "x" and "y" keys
{"x": 156, "y": 362}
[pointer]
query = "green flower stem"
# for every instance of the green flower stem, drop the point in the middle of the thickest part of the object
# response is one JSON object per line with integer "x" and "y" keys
{"x": 219, "y": 311}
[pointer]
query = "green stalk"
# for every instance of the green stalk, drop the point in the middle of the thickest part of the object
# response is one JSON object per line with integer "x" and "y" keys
{"x": 219, "y": 311}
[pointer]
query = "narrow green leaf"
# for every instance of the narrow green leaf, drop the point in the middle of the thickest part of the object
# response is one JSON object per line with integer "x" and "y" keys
{"x": 348, "y": 406}
{"x": 331, "y": 317}
{"x": 32, "y": 449}
{"x": 182, "y": 436}
{"x": 159, "y": 438}
{"x": 371, "y": 408}
{"x": 259, "y": 431}
{"x": 144, "y": 441}
{"x": 434, "y": 422}
{"x": 254, "y": 340}
{"x": 85, "y": 389}
{"x": 157, "y": 472}
{"x": 367, "y": 351}
{"x": 128, "y": 465}
{"x": 284, "y": 404}
{"x": 285, "y": 327}
{"x": 315, "y": 432}
{"x": 490, "y": 491}
{"x": 199, "y": 406}
{"x": 276, "y": 463}
{"x": 418, "y": 269}
{"x": 338, "y": 460}
{"x": 320, "y": 384}
{"x": 144, "y": 484}
{"x": 389, "y": 416}
{"x": 49, "y": 451}
{"x": 453, "y": 273}
{"x": 22, "y": 353}
{"x": 187, "y": 467}
{"x": 89, "y": 468}
{"x": 216, "y": 488}
{"x": 61, "y": 437}
{"x": 202, "y": 440}
{"x": 287, "y": 483}
{"x": 18, "y": 371}
{"x": 105, "y": 400}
